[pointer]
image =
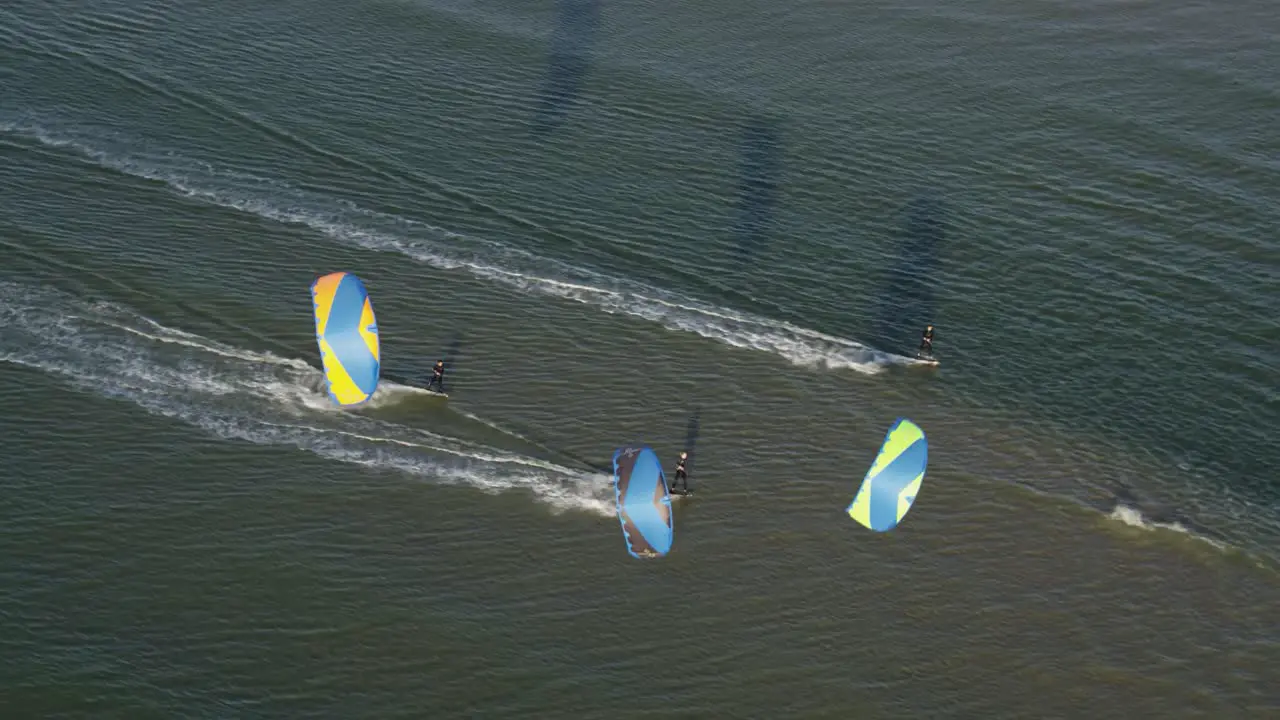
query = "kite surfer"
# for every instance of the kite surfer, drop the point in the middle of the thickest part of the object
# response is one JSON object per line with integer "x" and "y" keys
{"x": 682, "y": 475}
{"x": 437, "y": 376}
{"x": 926, "y": 343}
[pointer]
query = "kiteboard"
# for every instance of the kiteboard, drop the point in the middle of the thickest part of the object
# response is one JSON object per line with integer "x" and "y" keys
{"x": 679, "y": 493}
{"x": 932, "y": 361}
{"x": 427, "y": 391}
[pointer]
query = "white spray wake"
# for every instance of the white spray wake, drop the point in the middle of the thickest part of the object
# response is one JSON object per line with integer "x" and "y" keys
{"x": 350, "y": 224}
{"x": 1134, "y": 518}
{"x": 262, "y": 398}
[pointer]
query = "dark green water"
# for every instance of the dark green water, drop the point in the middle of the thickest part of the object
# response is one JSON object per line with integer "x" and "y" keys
{"x": 611, "y": 214}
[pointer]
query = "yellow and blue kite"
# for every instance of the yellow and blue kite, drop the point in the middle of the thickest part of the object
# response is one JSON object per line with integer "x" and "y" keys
{"x": 890, "y": 486}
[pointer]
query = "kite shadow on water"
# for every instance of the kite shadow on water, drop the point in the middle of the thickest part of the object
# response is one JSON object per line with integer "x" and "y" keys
{"x": 417, "y": 373}
{"x": 606, "y": 467}
{"x": 906, "y": 302}
{"x": 571, "y": 42}
{"x": 692, "y": 430}
{"x": 760, "y": 170}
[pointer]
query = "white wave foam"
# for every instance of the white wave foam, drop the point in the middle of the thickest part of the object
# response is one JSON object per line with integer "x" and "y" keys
{"x": 347, "y": 223}
{"x": 1134, "y": 518}
{"x": 262, "y": 398}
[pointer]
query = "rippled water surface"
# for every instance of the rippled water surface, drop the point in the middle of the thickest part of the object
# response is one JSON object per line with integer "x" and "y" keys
{"x": 612, "y": 218}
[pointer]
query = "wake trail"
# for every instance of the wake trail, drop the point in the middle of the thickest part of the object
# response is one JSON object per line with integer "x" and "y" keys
{"x": 347, "y": 223}
{"x": 1135, "y": 518}
{"x": 506, "y": 430}
{"x": 388, "y": 393}
{"x": 259, "y": 397}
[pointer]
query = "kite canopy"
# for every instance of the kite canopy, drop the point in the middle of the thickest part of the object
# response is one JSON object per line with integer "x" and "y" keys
{"x": 644, "y": 506}
{"x": 891, "y": 484}
{"x": 347, "y": 334}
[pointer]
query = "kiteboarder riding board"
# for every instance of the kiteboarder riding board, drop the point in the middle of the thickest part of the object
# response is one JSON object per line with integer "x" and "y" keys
{"x": 925, "y": 352}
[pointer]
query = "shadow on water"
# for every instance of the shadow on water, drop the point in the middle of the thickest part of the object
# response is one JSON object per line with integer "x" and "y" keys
{"x": 906, "y": 301}
{"x": 417, "y": 373}
{"x": 452, "y": 352}
{"x": 605, "y": 463}
{"x": 760, "y": 164}
{"x": 760, "y": 170}
{"x": 567, "y": 65}
{"x": 691, "y": 438}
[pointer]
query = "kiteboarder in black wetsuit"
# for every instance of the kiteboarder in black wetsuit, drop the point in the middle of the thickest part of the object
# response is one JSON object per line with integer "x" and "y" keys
{"x": 437, "y": 376}
{"x": 682, "y": 475}
{"x": 926, "y": 344}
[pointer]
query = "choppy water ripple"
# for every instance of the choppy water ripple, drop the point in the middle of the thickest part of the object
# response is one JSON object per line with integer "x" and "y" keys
{"x": 606, "y": 217}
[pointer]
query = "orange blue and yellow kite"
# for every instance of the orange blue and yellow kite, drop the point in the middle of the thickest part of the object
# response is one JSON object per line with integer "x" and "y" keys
{"x": 347, "y": 334}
